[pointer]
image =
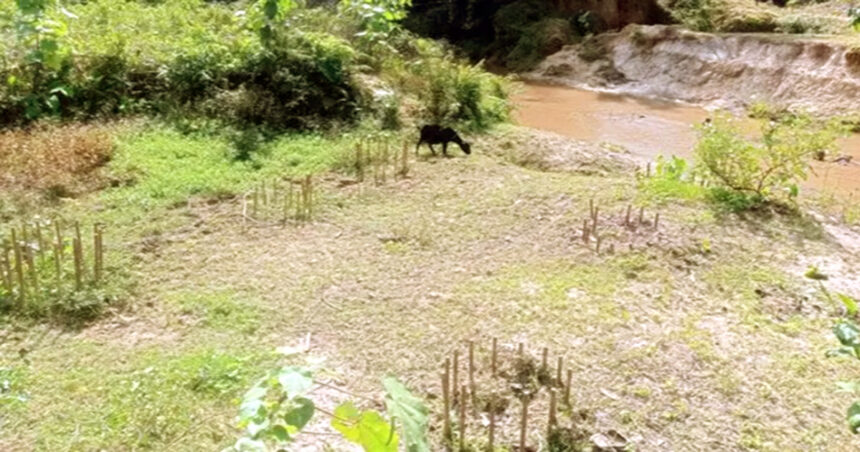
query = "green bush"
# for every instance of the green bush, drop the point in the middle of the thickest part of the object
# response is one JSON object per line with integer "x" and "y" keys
{"x": 746, "y": 172}
{"x": 268, "y": 63}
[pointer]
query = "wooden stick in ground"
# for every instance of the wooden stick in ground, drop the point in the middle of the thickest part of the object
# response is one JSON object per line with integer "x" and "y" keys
{"x": 524, "y": 424}
{"x": 59, "y": 237}
{"x": 6, "y": 269}
{"x": 656, "y": 219}
{"x": 58, "y": 266}
{"x": 256, "y": 201}
{"x": 641, "y": 214}
{"x": 627, "y": 216}
{"x": 567, "y": 387}
{"x": 455, "y": 378}
{"x": 472, "y": 372}
{"x": 80, "y": 247}
{"x": 591, "y": 208}
{"x": 404, "y": 170}
{"x": 520, "y": 351}
{"x": 101, "y": 251}
{"x": 543, "y": 361}
{"x": 19, "y": 269}
{"x": 493, "y": 357}
{"x": 492, "y": 436}
{"x": 31, "y": 263}
{"x": 462, "y": 420}
{"x": 96, "y": 272}
{"x": 40, "y": 240}
{"x": 586, "y": 231}
{"x": 558, "y": 370}
{"x": 594, "y": 220}
{"x": 446, "y": 401}
{"x": 599, "y": 241}
{"x": 552, "y": 403}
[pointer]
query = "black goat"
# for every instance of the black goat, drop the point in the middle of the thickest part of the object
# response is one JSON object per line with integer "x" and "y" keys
{"x": 435, "y": 134}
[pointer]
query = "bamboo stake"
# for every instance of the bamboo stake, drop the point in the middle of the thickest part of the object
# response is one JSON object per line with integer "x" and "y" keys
{"x": 40, "y": 240}
{"x": 446, "y": 401}
{"x": 492, "y": 435}
{"x": 558, "y": 370}
{"x": 34, "y": 276}
{"x": 255, "y": 204}
{"x": 493, "y": 358}
{"x": 627, "y": 217}
{"x": 641, "y": 214}
{"x": 6, "y": 269}
{"x": 96, "y": 272}
{"x": 455, "y": 379}
{"x": 585, "y": 231}
{"x": 591, "y": 207}
{"x": 404, "y": 156}
{"x": 543, "y": 361}
{"x": 472, "y": 372}
{"x": 520, "y": 350}
{"x": 594, "y": 221}
{"x": 523, "y": 424}
{"x": 599, "y": 241}
{"x": 656, "y": 219}
{"x": 19, "y": 269}
{"x": 59, "y": 236}
{"x": 462, "y": 421}
{"x": 567, "y": 387}
{"x": 58, "y": 267}
{"x": 552, "y": 403}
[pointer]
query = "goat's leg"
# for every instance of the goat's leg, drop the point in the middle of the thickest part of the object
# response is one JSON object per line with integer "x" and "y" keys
{"x": 431, "y": 148}
{"x": 418, "y": 146}
{"x": 445, "y": 149}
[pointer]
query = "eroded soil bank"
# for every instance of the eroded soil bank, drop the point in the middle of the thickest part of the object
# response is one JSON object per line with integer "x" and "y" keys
{"x": 721, "y": 70}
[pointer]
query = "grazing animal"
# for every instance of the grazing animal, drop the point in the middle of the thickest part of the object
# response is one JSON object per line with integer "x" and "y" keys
{"x": 435, "y": 134}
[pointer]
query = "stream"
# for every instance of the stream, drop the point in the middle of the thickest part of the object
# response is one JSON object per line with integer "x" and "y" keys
{"x": 648, "y": 128}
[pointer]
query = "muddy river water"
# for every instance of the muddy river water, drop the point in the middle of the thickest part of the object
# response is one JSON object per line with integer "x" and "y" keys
{"x": 650, "y": 127}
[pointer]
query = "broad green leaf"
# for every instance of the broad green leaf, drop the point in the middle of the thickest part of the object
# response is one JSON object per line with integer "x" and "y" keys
{"x": 367, "y": 428}
{"x": 850, "y": 303}
{"x": 854, "y": 417}
{"x": 295, "y": 380}
{"x": 847, "y": 333}
{"x": 410, "y": 412}
{"x": 280, "y": 432}
{"x": 252, "y": 401}
{"x": 299, "y": 416}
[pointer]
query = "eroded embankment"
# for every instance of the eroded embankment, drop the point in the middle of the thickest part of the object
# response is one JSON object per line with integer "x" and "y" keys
{"x": 718, "y": 70}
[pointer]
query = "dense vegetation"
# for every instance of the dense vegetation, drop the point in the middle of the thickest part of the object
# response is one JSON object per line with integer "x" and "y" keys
{"x": 276, "y": 64}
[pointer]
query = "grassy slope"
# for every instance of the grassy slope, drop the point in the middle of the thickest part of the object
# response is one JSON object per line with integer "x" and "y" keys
{"x": 703, "y": 334}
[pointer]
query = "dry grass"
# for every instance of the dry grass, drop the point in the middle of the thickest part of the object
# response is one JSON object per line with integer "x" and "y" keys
{"x": 54, "y": 161}
{"x": 677, "y": 345}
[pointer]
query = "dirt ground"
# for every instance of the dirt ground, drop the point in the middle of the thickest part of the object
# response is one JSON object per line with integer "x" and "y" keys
{"x": 698, "y": 334}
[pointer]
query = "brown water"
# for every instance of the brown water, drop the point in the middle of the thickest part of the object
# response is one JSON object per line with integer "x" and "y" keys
{"x": 649, "y": 127}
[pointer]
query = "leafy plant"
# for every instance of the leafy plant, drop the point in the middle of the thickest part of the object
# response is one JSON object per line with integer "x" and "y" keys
{"x": 854, "y": 15}
{"x": 277, "y": 408}
{"x": 767, "y": 169}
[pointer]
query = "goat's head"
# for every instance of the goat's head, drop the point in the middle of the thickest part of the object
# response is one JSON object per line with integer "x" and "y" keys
{"x": 466, "y": 147}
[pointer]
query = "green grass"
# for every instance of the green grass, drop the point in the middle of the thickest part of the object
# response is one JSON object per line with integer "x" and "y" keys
{"x": 156, "y": 399}
{"x": 219, "y": 310}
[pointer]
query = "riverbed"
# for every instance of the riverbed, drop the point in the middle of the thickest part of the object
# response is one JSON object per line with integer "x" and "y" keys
{"x": 648, "y": 128}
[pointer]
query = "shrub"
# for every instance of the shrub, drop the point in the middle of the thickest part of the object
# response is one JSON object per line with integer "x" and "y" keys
{"x": 745, "y": 172}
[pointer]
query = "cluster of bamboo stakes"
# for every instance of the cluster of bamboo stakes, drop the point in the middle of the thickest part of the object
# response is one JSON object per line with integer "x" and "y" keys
{"x": 590, "y": 226}
{"x": 379, "y": 159}
{"x": 280, "y": 201}
{"x": 455, "y": 394}
{"x": 35, "y": 249}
